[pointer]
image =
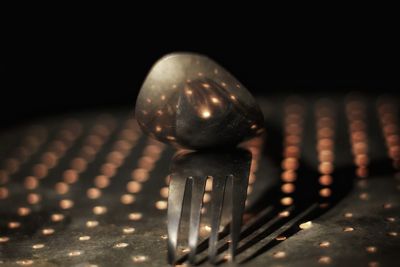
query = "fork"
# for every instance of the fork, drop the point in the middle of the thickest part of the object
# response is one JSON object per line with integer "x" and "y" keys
{"x": 189, "y": 173}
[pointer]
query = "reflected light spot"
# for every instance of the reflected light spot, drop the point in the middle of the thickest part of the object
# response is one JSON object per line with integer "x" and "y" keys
{"x": 135, "y": 216}
{"x": 91, "y": 224}
{"x": 14, "y": 225}
{"x": 127, "y": 199}
{"x": 38, "y": 246}
{"x": 325, "y": 192}
{"x": 288, "y": 188}
{"x": 23, "y": 211}
{"x": 48, "y": 231}
{"x": 371, "y": 249}
{"x": 325, "y": 244}
{"x": 140, "y": 258}
{"x": 286, "y": 201}
{"x": 34, "y": 198}
{"x": 99, "y": 210}
{"x": 284, "y": 214}
{"x": 205, "y": 113}
{"x": 57, "y": 217}
{"x": 215, "y": 100}
{"x": 66, "y": 204}
{"x": 161, "y": 205}
{"x": 128, "y": 230}
{"x": 75, "y": 253}
{"x": 93, "y": 193}
{"x": 279, "y": 254}
{"x": 121, "y": 245}
{"x": 4, "y": 239}
{"x": 324, "y": 260}
{"x": 306, "y": 225}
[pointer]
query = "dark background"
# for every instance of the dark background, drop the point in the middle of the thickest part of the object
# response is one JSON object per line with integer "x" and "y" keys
{"x": 63, "y": 69}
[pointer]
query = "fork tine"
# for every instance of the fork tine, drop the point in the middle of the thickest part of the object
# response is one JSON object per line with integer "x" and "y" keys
{"x": 175, "y": 207}
{"x": 217, "y": 196}
{"x": 239, "y": 194}
{"x": 198, "y": 186}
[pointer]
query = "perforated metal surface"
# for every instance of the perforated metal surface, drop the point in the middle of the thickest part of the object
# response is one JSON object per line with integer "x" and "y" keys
{"x": 90, "y": 190}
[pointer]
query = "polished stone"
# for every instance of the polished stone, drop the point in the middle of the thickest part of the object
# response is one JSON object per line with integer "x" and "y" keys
{"x": 190, "y": 101}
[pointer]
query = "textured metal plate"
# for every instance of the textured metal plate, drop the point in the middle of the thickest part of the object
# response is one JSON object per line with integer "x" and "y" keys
{"x": 89, "y": 190}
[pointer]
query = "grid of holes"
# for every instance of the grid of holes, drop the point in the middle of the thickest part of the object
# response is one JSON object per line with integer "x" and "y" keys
{"x": 71, "y": 130}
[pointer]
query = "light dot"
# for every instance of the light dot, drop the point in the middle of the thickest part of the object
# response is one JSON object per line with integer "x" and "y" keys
{"x": 206, "y": 198}
{"x": 127, "y": 199}
{"x": 93, "y": 193}
{"x": 70, "y": 176}
{"x": 84, "y": 238}
{"x": 99, "y": 210}
{"x": 38, "y": 246}
{"x": 348, "y": 229}
{"x": 62, "y": 188}
{"x": 140, "y": 258}
{"x": 205, "y": 113}
{"x": 14, "y": 225}
{"x": 279, "y": 254}
{"x": 205, "y": 85}
{"x": 392, "y": 234}
{"x": 207, "y": 228}
{"x": 4, "y": 239}
{"x": 48, "y": 231}
{"x": 364, "y": 196}
{"x": 390, "y": 219}
{"x": 57, "y": 217}
{"x": 387, "y": 205}
{"x": 121, "y": 245}
{"x": 91, "y": 224}
{"x": 284, "y": 214}
{"x": 75, "y": 253}
{"x": 3, "y": 193}
{"x": 24, "y": 262}
{"x": 66, "y": 204}
{"x": 325, "y": 192}
{"x": 324, "y": 260}
{"x": 348, "y": 215}
{"x": 306, "y": 225}
{"x": 161, "y": 205}
{"x": 128, "y": 230}
{"x": 371, "y": 249}
{"x": 215, "y": 100}
{"x": 31, "y": 182}
{"x": 325, "y": 244}
{"x": 325, "y": 180}
{"x": 23, "y": 211}
{"x": 286, "y": 201}
{"x": 288, "y": 188}
{"x": 33, "y": 198}
{"x": 140, "y": 175}
{"x": 135, "y": 216}
{"x": 164, "y": 192}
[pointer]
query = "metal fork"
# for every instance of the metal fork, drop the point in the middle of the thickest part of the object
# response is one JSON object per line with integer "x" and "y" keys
{"x": 189, "y": 173}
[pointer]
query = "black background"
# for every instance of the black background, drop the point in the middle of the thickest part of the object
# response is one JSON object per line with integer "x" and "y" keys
{"x": 62, "y": 68}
